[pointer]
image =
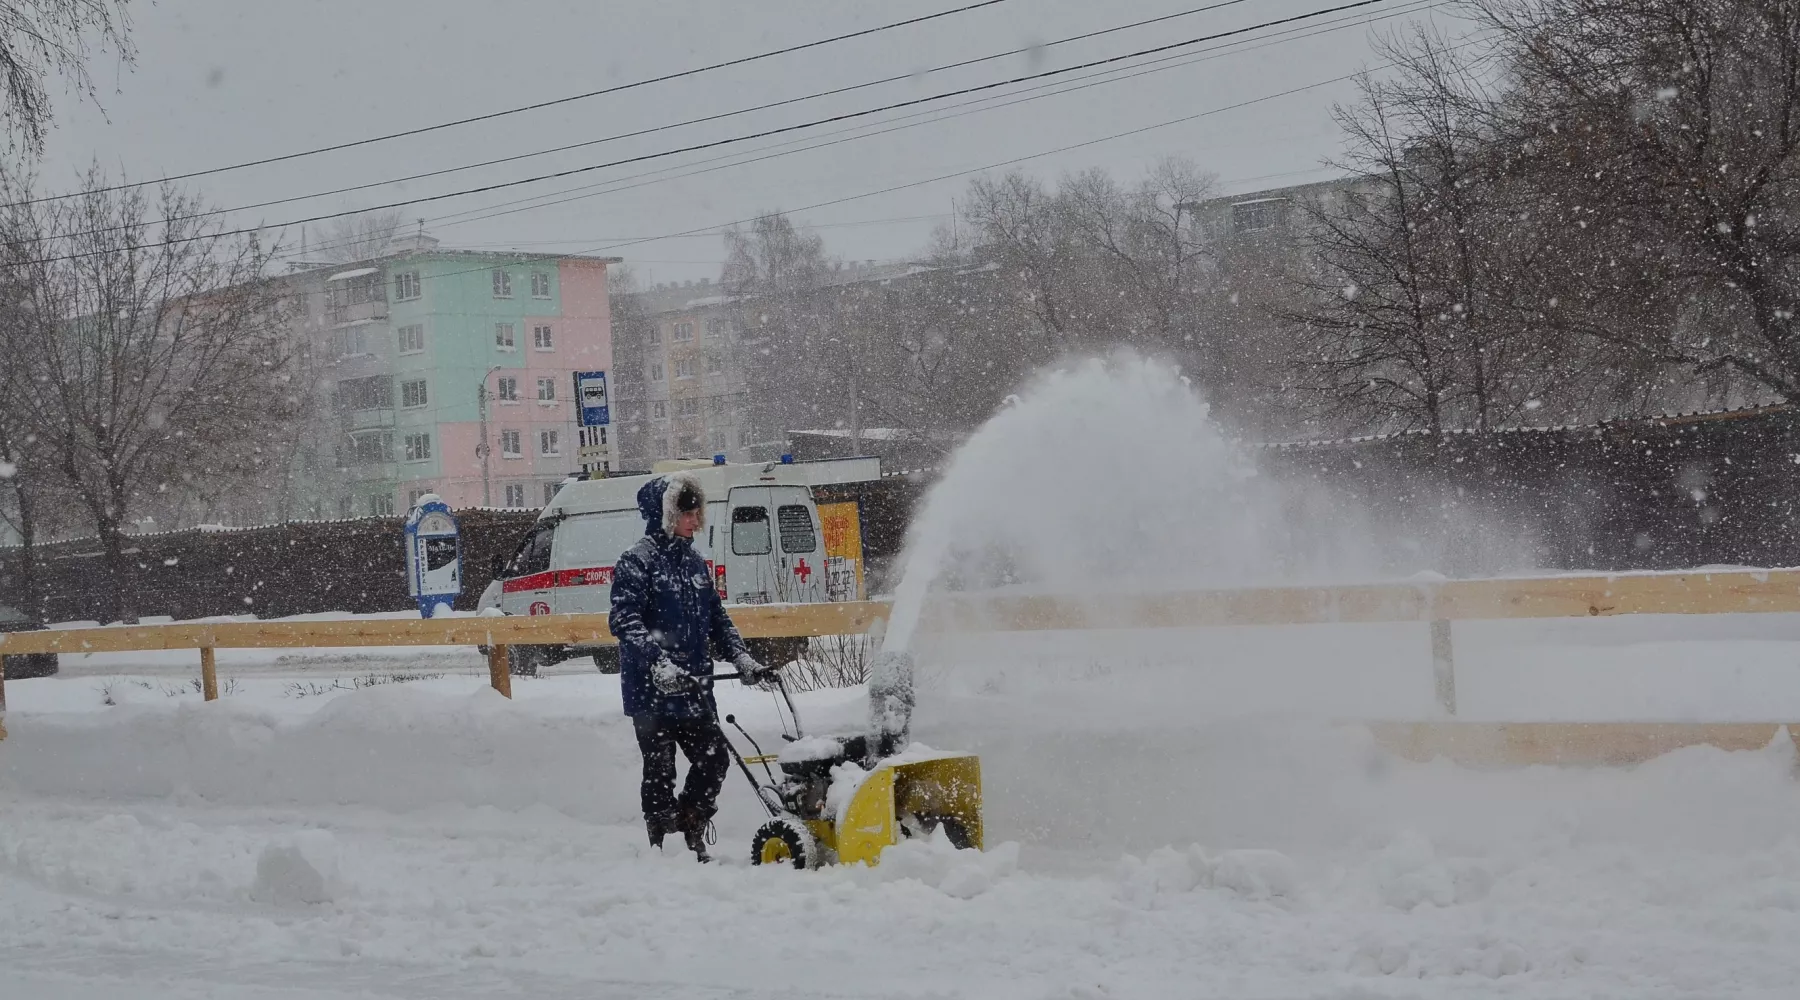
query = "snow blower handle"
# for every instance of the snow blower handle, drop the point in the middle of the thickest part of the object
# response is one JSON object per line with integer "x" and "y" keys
{"x": 775, "y": 678}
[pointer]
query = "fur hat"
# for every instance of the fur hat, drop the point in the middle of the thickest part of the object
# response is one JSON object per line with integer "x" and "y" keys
{"x": 682, "y": 493}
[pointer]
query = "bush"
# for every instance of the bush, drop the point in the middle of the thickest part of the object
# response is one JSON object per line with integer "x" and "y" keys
{"x": 831, "y": 661}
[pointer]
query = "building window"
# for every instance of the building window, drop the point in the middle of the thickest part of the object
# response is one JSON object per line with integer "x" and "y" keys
{"x": 549, "y": 442}
{"x": 412, "y": 338}
{"x": 373, "y": 393}
{"x": 503, "y": 336}
{"x": 717, "y": 440}
{"x": 715, "y": 328}
{"x": 406, "y": 285}
{"x": 345, "y": 505}
{"x": 366, "y": 447}
{"x": 655, "y": 337}
{"x": 541, "y": 338}
{"x": 507, "y": 388}
{"x": 418, "y": 448}
{"x": 350, "y": 341}
{"x": 381, "y": 504}
{"x": 540, "y": 285}
{"x": 662, "y": 446}
{"x": 689, "y": 444}
{"x": 413, "y": 393}
{"x": 689, "y": 407}
{"x": 743, "y": 437}
{"x": 684, "y": 332}
{"x": 502, "y": 283}
{"x": 1255, "y": 216}
{"x": 656, "y": 371}
{"x": 659, "y": 410}
{"x": 509, "y": 444}
{"x": 714, "y": 363}
{"x": 412, "y": 496}
{"x": 515, "y": 494}
{"x": 550, "y": 492}
{"x": 684, "y": 367}
{"x": 546, "y": 390}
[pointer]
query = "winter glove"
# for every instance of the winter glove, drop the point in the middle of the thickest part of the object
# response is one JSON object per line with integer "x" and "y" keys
{"x": 671, "y": 680}
{"x": 750, "y": 671}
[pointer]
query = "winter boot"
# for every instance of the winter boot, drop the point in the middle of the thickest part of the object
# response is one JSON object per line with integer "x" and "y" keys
{"x": 698, "y": 831}
{"x": 660, "y": 825}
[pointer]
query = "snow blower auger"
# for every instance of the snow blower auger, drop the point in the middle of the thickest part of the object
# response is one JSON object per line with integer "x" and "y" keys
{"x": 846, "y": 798}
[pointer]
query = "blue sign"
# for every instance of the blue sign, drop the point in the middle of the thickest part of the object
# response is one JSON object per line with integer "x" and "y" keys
{"x": 590, "y": 395}
{"x": 433, "y": 554}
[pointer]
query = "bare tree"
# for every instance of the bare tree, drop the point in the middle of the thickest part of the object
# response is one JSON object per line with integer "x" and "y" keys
{"x": 158, "y": 366}
{"x": 631, "y": 327}
{"x": 1091, "y": 263}
{"x": 1661, "y": 139}
{"x": 44, "y": 38}
{"x": 30, "y": 503}
{"x": 776, "y": 278}
{"x": 360, "y": 237}
{"x": 1424, "y": 312}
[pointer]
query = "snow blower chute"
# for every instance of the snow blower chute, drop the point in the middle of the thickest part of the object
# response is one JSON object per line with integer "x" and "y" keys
{"x": 848, "y": 797}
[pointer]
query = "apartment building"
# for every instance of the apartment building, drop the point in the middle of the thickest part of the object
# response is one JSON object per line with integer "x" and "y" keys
{"x": 450, "y": 372}
{"x": 683, "y": 385}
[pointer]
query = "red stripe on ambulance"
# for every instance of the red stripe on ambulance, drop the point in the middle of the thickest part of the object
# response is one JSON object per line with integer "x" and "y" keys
{"x": 592, "y": 576}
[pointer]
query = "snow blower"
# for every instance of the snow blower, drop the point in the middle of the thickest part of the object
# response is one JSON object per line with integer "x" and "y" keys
{"x": 846, "y": 798}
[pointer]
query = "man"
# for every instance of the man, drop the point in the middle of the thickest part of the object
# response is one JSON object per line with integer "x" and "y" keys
{"x": 667, "y": 616}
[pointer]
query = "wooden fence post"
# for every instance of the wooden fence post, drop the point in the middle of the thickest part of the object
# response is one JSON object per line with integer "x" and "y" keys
{"x": 1443, "y": 664}
{"x": 498, "y": 675}
{"x": 209, "y": 674}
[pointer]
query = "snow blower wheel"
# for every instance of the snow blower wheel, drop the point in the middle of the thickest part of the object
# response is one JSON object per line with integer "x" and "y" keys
{"x": 784, "y": 841}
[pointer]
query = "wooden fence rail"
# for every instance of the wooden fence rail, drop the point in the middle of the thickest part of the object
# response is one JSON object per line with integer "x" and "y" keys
{"x": 1434, "y": 602}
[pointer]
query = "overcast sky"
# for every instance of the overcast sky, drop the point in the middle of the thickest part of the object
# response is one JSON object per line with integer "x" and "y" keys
{"x": 223, "y": 81}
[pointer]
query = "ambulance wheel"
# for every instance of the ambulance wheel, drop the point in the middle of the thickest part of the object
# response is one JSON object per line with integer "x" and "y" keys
{"x": 606, "y": 659}
{"x": 524, "y": 661}
{"x": 784, "y": 840}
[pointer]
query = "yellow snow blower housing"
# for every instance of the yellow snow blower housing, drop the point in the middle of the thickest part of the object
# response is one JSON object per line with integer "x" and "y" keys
{"x": 848, "y": 798}
{"x": 910, "y": 795}
{"x": 831, "y": 802}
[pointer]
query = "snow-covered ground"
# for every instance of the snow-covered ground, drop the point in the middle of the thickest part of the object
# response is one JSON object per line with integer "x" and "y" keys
{"x": 1171, "y": 814}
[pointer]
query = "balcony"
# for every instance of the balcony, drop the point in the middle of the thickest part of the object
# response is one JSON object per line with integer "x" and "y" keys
{"x": 356, "y": 295}
{"x": 359, "y": 312}
{"x": 356, "y": 420}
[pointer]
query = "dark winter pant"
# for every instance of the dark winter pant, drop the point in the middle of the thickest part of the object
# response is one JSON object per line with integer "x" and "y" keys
{"x": 703, "y": 744}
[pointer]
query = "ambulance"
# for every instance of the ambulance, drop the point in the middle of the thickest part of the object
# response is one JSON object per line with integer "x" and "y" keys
{"x": 766, "y": 541}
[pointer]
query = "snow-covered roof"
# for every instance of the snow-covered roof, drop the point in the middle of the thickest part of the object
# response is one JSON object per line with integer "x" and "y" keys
{"x": 867, "y": 434}
{"x": 353, "y": 273}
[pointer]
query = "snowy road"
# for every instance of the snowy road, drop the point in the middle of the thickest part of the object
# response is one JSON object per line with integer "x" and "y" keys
{"x": 467, "y": 846}
{"x": 484, "y": 904}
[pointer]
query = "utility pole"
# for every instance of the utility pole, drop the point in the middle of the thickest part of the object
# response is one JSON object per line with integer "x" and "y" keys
{"x": 481, "y": 396}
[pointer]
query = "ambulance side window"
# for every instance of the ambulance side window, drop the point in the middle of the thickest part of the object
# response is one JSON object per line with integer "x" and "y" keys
{"x": 533, "y": 555}
{"x": 796, "y": 526}
{"x": 750, "y": 531}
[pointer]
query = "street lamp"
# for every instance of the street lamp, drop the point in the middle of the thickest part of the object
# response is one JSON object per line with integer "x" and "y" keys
{"x": 481, "y": 396}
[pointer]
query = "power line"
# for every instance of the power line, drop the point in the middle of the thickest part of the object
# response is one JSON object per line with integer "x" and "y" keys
{"x": 816, "y": 95}
{"x": 733, "y": 140}
{"x": 658, "y": 176}
{"x": 715, "y": 227}
{"x": 665, "y": 175}
{"x": 535, "y": 107}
